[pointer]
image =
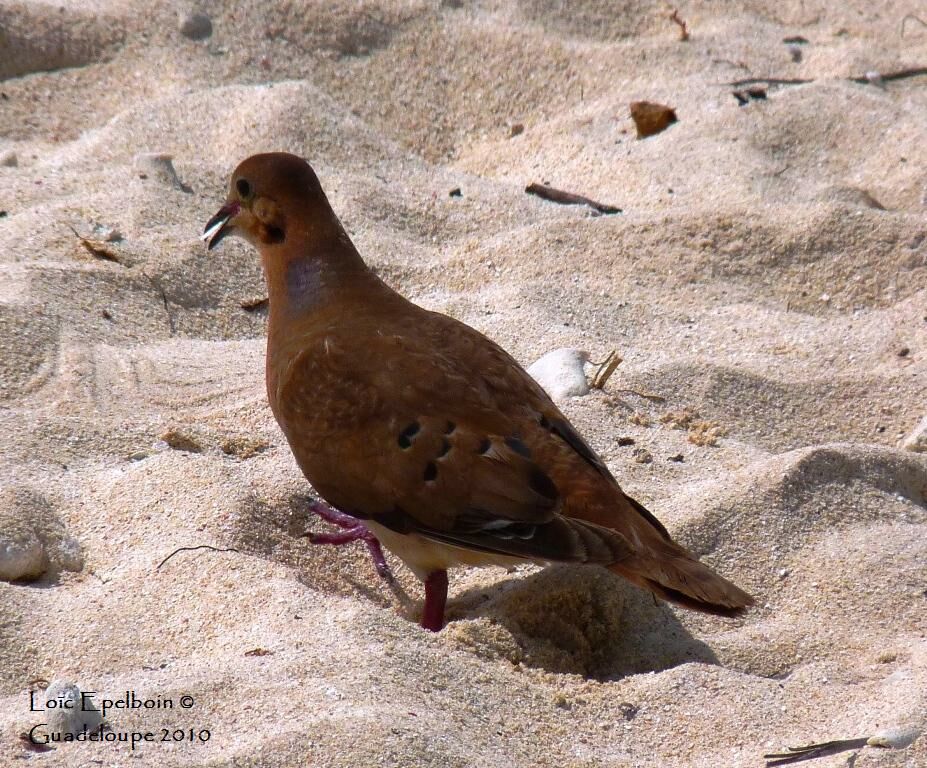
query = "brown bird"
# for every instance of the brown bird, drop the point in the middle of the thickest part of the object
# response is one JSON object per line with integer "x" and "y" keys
{"x": 423, "y": 428}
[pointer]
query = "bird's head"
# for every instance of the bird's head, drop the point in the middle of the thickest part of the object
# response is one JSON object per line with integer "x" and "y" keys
{"x": 272, "y": 198}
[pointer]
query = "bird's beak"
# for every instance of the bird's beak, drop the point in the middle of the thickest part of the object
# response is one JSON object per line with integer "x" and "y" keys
{"x": 218, "y": 226}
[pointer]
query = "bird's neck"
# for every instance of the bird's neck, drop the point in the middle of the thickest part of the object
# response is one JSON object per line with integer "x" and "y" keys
{"x": 314, "y": 285}
{"x": 305, "y": 277}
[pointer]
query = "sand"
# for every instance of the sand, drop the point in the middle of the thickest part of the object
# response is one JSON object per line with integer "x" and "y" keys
{"x": 766, "y": 281}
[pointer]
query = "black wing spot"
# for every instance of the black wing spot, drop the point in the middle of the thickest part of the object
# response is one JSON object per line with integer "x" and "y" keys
{"x": 449, "y": 429}
{"x": 431, "y": 471}
{"x": 405, "y": 437}
{"x": 542, "y": 485}
{"x": 485, "y": 445}
{"x": 518, "y": 446}
{"x": 445, "y": 448}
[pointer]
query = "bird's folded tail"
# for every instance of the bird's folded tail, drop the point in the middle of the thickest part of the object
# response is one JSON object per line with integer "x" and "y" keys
{"x": 679, "y": 578}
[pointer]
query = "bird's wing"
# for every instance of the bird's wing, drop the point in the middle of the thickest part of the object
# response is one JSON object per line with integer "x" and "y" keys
{"x": 423, "y": 429}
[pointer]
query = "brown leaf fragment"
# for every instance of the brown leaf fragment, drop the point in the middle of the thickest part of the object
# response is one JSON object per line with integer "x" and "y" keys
{"x": 651, "y": 118}
{"x": 96, "y": 249}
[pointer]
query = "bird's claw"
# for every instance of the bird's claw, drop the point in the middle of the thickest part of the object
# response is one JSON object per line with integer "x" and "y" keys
{"x": 352, "y": 530}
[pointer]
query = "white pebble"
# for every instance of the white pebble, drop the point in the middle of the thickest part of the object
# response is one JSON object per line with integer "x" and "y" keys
{"x": 917, "y": 440}
{"x": 76, "y": 712}
{"x": 896, "y": 738}
{"x": 562, "y": 373}
{"x": 33, "y": 540}
{"x": 21, "y": 556}
{"x": 107, "y": 234}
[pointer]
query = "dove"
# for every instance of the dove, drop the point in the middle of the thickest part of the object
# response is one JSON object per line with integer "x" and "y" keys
{"x": 421, "y": 433}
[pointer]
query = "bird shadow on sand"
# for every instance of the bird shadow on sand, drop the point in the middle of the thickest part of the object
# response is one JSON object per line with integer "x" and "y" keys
{"x": 573, "y": 619}
{"x": 277, "y": 530}
{"x": 567, "y": 619}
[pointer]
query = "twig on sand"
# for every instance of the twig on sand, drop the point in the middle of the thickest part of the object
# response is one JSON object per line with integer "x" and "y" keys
{"x": 901, "y": 74}
{"x": 768, "y": 81}
{"x": 683, "y": 27}
{"x": 605, "y": 369}
{"x": 568, "y": 198}
{"x": 645, "y": 395}
{"x": 812, "y": 751}
{"x": 190, "y": 549}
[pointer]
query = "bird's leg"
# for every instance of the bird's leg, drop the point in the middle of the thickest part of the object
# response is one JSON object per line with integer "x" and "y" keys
{"x": 435, "y": 600}
{"x": 352, "y": 530}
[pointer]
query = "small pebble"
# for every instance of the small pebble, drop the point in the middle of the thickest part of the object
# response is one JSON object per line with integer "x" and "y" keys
{"x": 875, "y": 78}
{"x": 795, "y": 52}
{"x": 642, "y": 456}
{"x": 677, "y": 457}
{"x": 33, "y": 541}
{"x": 76, "y": 713}
{"x": 455, "y": 192}
{"x": 917, "y": 440}
{"x": 196, "y": 26}
{"x": 623, "y": 441}
{"x": 107, "y": 234}
{"x": 895, "y": 738}
{"x": 904, "y": 352}
{"x": 22, "y": 555}
{"x": 8, "y": 159}
{"x": 516, "y": 129}
{"x": 562, "y": 373}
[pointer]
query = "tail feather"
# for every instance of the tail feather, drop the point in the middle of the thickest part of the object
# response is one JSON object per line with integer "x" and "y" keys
{"x": 685, "y": 581}
{"x": 667, "y": 569}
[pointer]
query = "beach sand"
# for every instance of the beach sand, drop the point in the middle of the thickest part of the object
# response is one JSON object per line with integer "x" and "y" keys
{"x": 765, "y": 281}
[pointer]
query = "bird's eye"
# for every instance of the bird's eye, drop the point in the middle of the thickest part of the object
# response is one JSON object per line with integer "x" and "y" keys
{"x": 243, "y": 187}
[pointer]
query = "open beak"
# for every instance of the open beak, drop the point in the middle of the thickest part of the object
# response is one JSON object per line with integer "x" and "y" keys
{"x": 218, "y": 226}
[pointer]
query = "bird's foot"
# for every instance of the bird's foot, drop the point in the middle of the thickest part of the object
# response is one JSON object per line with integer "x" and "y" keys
{"x": 352, "y": 530}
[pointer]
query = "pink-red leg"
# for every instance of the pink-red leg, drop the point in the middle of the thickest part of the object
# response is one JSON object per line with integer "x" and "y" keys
{"x": 352, "y": 530}
{"x": 435, "y": 600}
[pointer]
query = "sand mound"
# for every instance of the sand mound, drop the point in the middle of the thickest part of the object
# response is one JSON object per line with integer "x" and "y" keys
{"x": 41, "y": 36}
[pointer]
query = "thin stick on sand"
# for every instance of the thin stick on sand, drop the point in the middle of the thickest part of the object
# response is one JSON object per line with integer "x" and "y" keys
{"x": 568, "y": 198}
